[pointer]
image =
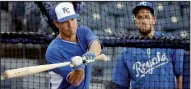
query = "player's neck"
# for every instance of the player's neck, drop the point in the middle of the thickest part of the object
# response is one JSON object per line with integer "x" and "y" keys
{"x": 71, "y": 38}
{"x": 151, "y": 34}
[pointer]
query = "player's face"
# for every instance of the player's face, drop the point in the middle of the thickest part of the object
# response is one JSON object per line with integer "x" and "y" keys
{"x": 144, "y": 21}
{"x": 68, "y": 28}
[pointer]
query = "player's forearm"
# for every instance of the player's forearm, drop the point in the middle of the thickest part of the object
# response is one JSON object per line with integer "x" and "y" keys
{"x": 179, "y": 82}
{"x": 76, "y": 77}
{"x": 95, "y": 47}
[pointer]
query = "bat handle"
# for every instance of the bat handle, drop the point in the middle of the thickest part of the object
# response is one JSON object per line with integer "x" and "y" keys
{"x": 99, "y": 57}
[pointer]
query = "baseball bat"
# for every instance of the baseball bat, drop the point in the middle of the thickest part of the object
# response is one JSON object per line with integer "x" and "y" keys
{"x": 40, "y": 68}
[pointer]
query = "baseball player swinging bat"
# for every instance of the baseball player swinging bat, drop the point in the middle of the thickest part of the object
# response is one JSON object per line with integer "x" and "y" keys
{"x": 36, "y": 69}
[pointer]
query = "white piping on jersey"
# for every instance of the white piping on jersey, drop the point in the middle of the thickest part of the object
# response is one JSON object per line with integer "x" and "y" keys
{"x": 68, "y": 76}
{"x": 69, "y": 41}
{"x": 92, "y": 42}
{"x": 147, "y": 68}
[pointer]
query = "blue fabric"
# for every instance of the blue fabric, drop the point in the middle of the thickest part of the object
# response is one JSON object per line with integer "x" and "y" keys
{"x": 82, "y": 66}
{"x": 68, "y": 18}
{"x": 62, "y": 51}
{"x": 146, "y": 69}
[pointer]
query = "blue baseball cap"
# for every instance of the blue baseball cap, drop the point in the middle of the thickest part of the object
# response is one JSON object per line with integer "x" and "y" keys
{"x": 62, "y": 12}
{"x": 144, "y": 5}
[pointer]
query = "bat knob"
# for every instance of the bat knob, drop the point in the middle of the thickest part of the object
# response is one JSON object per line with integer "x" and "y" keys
{"x": 3, "y": 76}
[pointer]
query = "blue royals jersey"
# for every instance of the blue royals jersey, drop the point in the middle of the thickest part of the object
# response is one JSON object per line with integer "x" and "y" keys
{"x": 61, "y": 50}
{"x": 148, "y": 68}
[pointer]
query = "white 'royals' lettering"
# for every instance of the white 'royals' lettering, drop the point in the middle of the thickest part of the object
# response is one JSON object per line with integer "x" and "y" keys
{"x": 147, "y": 68}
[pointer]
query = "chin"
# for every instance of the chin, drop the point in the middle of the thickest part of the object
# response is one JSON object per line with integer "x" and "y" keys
{"x": 74, "y": 32}
{"x": 144, "y": 32}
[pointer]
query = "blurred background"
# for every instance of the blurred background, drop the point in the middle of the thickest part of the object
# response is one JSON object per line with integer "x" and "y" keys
{"x": 106, "y": 19}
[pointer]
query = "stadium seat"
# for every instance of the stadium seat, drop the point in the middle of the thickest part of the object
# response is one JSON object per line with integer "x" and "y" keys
{"x": 98, "y": 32}
{"x": 97, "y": 21}
{"x": 108, "y": 31}
{"x": 89, "y": 8}
{"x": 186, "y": 22}
{"x": 107, "y": 21}
{"x": 173, "y": 10}
{"x": 185, "y": 3}
{"x": 130, "y": 6}
{"x": 171, "y": 33}
{"x": 114, "y": 8}
{"x": 44, "y": 27}
{"x": 159, "y": 3}
{"x": 168, "y": 10}
{"x": 118, "y": 8}
{"x": 186, "y": 12}
{"x": 32, "y": 17}
{"x": 6, "y": 21}
{"x": 18, "y": 9}
{"x": 121, "y": 32}
{"x": 160, "y": 6}
{"x": 176, "y": 22}
{"x": 158, "y": 25}
{"x": 90, "y": 20}
{"x": 126, "y": 22}
{"x": 48, "y": 4}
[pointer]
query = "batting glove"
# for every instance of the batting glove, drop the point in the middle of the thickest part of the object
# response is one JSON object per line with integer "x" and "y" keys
{"x": 77, "y": 63}
{"x": 88, "y": 57}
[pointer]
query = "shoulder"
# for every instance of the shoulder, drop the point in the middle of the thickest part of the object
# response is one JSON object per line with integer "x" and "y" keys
{"x": 126, "y": 51}
{"x": 175, "y": 51}
{"x": 54, "y": 45}
{"x": 131, "y": 50}
{"x": 83, "y": 28}
{"x": 180, "y": 51}
{"x": 159, "y": 34}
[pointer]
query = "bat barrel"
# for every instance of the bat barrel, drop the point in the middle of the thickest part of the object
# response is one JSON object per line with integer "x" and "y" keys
{"x": 31, "y": 70}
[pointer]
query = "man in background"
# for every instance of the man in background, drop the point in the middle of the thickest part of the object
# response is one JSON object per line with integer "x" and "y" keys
{"x": 148, "y": 68}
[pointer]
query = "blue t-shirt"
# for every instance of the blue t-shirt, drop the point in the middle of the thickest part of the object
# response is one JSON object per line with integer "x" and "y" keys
{"x": 60, "y": 50}
{"x": 148, "y": 68}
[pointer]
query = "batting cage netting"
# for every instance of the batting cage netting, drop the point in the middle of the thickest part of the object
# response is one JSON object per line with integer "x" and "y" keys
{"x": 27, "y": 30}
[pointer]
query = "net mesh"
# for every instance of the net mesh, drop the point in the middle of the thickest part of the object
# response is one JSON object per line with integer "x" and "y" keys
{"x": 26, "y": 31}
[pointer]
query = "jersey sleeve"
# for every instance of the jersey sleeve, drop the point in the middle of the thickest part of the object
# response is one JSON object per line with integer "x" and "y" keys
{"x": 54, "y": 56}
{"x": 90, "y": 36}
{"x": 120, "y": 75}
{"x": 178, "y": 62}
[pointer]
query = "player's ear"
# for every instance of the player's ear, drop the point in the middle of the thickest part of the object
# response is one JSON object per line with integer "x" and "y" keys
{"x": 134, "y": 19}
{"x": 154, "y": 20}
{"x": 55, "y": 23}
